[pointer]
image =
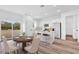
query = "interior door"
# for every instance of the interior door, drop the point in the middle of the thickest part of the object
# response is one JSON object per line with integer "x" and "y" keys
{"x": 57, "y": 27}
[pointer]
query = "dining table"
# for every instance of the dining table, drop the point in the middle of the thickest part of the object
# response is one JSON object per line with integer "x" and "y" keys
{"x": 23, "y": 40}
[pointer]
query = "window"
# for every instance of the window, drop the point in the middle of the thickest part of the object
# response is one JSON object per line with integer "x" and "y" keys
{"x": 6, "y": 30}
{"x": 16, "y": 29}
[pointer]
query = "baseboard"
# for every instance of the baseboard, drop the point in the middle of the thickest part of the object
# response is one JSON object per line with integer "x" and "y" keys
{"x": 69, "y": 36}
{"x": 57, "y": 38}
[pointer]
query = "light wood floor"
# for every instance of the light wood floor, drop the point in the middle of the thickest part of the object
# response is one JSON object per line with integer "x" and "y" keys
{"x": 68, "y": 46}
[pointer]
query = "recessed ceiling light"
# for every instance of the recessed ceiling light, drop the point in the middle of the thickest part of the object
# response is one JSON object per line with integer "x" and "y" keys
{"x": 58, "y": 10}
{"x": 54, "y": 5}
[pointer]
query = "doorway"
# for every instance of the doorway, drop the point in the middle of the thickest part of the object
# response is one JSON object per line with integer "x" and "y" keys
{"x": 71, "y": 27}
{"x": 57, "y": 27}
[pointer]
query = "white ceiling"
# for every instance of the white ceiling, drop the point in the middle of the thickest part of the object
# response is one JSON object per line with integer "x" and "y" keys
{"x": 37, "y": 11}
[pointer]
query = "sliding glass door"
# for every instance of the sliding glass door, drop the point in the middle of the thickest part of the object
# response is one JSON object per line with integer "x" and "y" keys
{"x": 6, "y": 30}
{"x": 10, "y": 30}
{"x": 16, "y": 29}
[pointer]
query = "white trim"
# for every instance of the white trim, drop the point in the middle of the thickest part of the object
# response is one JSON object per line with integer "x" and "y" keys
{"x": 0, "y": 30}
{"x": 12, "y": 30}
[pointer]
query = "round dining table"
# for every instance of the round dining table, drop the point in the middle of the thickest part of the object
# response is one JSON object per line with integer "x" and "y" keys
{"x": 23, "y": 40}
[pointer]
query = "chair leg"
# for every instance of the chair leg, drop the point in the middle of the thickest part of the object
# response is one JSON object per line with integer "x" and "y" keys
{"x": 9, "y": 52}
{"x": 37, "y": 51}
{"x": 15, "y": 51}
{"x": 18, "y": 51}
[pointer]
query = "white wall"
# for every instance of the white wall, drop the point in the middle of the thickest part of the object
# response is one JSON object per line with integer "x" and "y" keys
{"x": 78, "y": 27}
{"x": 29, "y": 25}
{"x": 69, "y": 25}
{"x": 9, "y": 16}
{"x": 0, "y": 31}
{"x": 63, "y": 22}
{"x": 74, "y": 23}
{"x": 63, "y": 29}
{"x": 75, "y": 26}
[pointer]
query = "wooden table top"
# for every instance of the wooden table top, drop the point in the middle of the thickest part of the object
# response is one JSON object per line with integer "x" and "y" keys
{"x": 23, "y": 39}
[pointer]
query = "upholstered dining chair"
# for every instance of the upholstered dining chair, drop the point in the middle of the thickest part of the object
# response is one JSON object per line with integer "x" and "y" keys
{"x": 0, "y": 48}
{"x": 7, "y": 47}
{"x": 33, "y": 48}
{"x": 12, "y": 45}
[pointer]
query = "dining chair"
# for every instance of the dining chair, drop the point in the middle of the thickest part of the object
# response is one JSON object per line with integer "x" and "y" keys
{"x": 52, "y": 38}
{"x": 12, "y": 45}
{"x": 33, "y": 48}
{"x": 7, "y": 47}
{"x": 0, "y": 48}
